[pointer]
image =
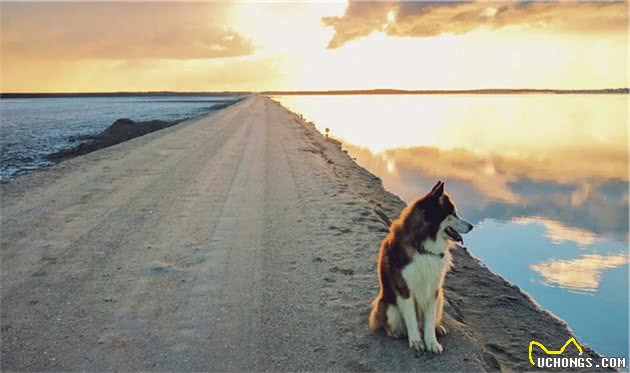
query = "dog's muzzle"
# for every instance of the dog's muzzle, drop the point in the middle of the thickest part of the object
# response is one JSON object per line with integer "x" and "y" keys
{"x": 454, "y": 235}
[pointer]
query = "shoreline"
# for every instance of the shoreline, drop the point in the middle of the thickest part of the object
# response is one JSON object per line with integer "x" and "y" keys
{"x": 501, "y": 294}
{"x": 251, "y": 217}
{"x": 125, "y": 129}
{"x": 121, "y": 130}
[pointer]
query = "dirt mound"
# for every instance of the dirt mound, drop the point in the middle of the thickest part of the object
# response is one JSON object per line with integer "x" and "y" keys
{"x": 121, "y": 130}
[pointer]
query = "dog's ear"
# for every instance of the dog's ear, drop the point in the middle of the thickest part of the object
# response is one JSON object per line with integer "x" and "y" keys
{"x": 438, "y": 189}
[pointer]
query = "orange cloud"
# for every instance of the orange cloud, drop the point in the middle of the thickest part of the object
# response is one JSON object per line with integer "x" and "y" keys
{"x": 142, "y": 75}
{"x": 418, "y": 19}
{"x": 493, "y": 173}
{"x": 80, "y": 31}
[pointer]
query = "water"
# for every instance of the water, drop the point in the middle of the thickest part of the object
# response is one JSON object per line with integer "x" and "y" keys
{"x": 30, "y": 129}
{"x": 544, "y": 178}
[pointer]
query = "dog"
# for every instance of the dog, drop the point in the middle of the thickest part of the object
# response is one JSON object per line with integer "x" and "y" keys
{"x": 414, "y": 258}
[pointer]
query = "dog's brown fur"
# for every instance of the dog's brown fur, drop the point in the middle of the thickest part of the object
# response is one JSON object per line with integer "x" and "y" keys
{"x": 406, "y": 235}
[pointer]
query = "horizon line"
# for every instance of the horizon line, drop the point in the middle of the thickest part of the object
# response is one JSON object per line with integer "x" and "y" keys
{"x": 321, "y": 92}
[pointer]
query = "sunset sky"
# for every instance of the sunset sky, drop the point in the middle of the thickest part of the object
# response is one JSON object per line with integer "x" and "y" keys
{"x": 73, "y": 47}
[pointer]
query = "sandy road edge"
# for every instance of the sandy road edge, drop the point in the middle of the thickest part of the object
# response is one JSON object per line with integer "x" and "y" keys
{"x": 502, "y": 317}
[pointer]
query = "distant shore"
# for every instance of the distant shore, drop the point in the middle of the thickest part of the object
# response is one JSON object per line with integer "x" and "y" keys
{"x": 490, "y": 91}
{"x": 119, "y": 94}
{"x": 452, "y": 92}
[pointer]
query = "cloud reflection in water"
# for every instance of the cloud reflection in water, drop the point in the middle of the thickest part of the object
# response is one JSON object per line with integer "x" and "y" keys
{"x": 584, "y": 197}
{"x": 544, "y": 177}
{"x": 581, "y": 274}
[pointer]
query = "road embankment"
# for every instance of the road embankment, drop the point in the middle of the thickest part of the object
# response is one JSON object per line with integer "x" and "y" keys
{"x": 241, "y": 240}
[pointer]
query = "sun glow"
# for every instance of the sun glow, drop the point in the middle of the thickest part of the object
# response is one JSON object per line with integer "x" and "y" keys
{"x": 506, "y": 129}
{"x": 284, "y": 46}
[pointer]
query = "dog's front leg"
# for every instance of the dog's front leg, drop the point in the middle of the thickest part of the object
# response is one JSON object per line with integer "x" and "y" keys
{"x": 429, "y": 330}
{"x": 408, "y": 309}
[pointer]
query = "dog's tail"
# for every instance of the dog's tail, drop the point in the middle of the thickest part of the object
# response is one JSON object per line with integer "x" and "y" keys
{"x": 378, "y": 315}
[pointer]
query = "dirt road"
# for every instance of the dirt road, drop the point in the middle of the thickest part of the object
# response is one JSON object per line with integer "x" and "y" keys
{"x": 238, "y": 241}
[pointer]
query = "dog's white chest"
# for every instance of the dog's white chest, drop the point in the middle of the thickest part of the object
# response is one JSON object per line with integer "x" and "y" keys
{"x": 424, "y": 276}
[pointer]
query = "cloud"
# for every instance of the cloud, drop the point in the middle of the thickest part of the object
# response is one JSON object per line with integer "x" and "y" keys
{"x": 240, "y": 74}
{"x": 422, "y": 19}
{"x": 360, "y": 19}
{"x": 78, "y": 31}
{"x": 580, "y": 274}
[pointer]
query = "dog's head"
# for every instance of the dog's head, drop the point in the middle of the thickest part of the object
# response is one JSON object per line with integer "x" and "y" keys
{"x": 435, "y": 214}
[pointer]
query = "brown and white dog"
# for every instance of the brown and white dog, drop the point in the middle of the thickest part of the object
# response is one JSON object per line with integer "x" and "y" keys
{"x": 413, "y": 260}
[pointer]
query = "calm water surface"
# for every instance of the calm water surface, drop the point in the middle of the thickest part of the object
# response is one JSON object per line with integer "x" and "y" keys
{"x": 544, "y": 178}
{"x": 30, "y": 129}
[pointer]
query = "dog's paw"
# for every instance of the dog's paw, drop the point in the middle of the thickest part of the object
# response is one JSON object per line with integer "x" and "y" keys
{"x": 435, "y": 347}
{"x": 440, "y": 330}
{"x": 417, "y": 345}
{"x": 396, "y": 334}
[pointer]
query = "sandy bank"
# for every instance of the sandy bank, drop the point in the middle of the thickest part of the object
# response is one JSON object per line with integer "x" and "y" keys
{"x": 237, "y": 241}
